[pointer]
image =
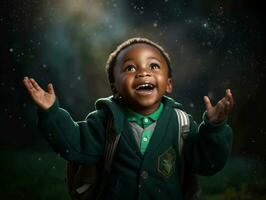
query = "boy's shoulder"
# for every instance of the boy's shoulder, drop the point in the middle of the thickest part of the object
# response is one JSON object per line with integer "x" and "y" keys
{"x": 108, "y": 103}
{"x": 170, "y": 102}
{"x": 110, "y": 106}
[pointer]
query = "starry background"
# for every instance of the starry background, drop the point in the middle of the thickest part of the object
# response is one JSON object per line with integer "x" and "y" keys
{"x": 213, "y": 45}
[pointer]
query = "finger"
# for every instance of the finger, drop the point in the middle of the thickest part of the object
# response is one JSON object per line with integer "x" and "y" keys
{"x": 25, "y": 82}
{"x": 229, "y": 97}
{"x": 223, "y": 103}
{"x": 28, "y": 85}
{"x": 221, "y": 106}
{"x": 207, "y": 103}
{"x": 35, "y": 84}
{"x": 227, "y": 93}
{"x": 50, "y": 88}
{"x": 227, "y": 107}
{"x": 25, "y": 78}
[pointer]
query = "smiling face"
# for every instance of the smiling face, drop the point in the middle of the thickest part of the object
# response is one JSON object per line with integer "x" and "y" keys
{"x": 141, "y": 77}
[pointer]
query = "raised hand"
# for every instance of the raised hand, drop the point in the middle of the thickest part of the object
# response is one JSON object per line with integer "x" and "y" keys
{"x": 220, "y": 111}
{"x": 41, "y": 98}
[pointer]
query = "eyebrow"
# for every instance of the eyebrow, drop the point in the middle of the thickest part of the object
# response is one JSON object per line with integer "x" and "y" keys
{"x": 150, "y": 57}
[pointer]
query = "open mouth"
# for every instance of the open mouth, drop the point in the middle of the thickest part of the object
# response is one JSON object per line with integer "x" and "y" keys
{"x": 146, "y": 87}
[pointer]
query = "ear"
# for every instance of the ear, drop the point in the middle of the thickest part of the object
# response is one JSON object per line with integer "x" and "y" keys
{"x": 169, "y": 86}
{"x": 114, "y": 90}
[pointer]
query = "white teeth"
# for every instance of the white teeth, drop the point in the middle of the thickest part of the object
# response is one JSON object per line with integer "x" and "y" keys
{"x": 144, "y": 85}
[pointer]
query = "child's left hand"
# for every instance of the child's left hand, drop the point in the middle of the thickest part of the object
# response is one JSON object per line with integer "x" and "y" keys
{"x": 220, "y": 111}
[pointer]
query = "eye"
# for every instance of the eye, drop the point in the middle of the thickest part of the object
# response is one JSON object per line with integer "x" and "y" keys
{"x": 154, "y": 66}
{"x": 130, "y": 68}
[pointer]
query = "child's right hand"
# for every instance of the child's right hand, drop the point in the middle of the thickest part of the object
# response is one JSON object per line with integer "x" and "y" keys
{"x": 41, "y": 98}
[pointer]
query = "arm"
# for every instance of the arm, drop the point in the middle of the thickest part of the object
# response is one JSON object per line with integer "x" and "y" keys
{"x": 75, "y": 141}
{"x": 208, "y": 145}
{"x": 81, "y": 141}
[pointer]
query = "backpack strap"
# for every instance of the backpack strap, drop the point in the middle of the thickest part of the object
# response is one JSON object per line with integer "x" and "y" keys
{"x": 189, "y": 182}
{"x": 89, "y": 181}
{"x": 183, "y": 126}
{"x": 111, "y": 141}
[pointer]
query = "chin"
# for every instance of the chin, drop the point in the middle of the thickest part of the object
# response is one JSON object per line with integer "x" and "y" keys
{"x": 147, "y": 104}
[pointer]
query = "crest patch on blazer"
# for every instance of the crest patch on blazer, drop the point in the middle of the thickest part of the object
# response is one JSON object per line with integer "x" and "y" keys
{"x": 166, "y": 162}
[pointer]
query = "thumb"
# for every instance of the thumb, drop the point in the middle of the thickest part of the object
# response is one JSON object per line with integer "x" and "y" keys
{"x": 50, "y": 88}
{"x": 207, "y": 102}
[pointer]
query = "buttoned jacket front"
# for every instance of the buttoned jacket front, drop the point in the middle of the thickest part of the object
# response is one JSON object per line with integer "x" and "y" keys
{"x": 154, "y": 175}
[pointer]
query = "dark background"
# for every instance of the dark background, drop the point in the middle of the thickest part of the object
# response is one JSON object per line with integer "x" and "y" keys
{"x": 213, "y": 45}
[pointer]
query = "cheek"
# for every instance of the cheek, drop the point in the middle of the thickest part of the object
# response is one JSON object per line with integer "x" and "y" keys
{"x": 162, "y": 80}
{"x": 124, "y": 82}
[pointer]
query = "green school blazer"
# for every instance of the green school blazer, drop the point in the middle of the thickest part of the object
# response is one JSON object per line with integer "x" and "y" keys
{"x": 154, "y": 175}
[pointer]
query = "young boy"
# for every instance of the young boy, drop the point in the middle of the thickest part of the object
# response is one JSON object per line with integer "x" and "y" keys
{"x": 146, "y": 163}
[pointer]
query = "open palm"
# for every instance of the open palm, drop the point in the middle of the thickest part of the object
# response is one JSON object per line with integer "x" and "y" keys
{"x": 40, "y": 97}
{"x": 220, "y": 111}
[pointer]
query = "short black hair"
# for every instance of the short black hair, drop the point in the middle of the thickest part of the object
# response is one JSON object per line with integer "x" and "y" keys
{"x": 113, "y": 56}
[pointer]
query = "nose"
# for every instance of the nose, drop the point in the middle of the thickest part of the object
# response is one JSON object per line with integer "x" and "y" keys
{"x": 143, "y": 72}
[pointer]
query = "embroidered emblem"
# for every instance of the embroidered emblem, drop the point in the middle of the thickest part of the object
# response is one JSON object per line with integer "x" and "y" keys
{"x": 166, "y": 162}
